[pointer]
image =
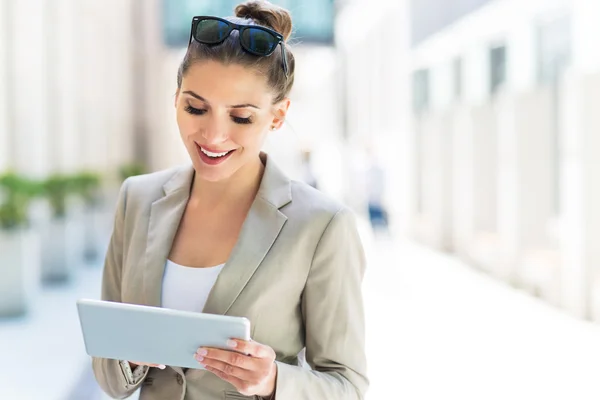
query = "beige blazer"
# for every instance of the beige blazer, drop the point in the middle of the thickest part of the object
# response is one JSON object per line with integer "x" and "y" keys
{"x": 295, "y": 273}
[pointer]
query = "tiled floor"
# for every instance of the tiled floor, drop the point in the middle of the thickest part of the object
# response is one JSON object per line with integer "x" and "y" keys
{"x": 436, "y": 329}
{"x": 439, "y": 330}
{"x": 43, "y": 356}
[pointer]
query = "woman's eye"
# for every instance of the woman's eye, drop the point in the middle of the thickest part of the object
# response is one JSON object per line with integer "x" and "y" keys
{"x": 194, "y": 111}
{"x": 240, "y": 120}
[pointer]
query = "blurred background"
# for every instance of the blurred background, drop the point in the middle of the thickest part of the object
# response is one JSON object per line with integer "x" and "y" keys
{"x": 465, "y": 134}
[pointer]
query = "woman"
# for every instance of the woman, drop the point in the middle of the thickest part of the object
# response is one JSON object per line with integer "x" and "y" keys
{"x": 231, "y": 234}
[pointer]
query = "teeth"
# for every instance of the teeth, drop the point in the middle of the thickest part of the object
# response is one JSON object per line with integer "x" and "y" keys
{"x": 213, "y": 155}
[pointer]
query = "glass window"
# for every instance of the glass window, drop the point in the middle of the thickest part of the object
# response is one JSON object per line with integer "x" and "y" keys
{"x": 313, "y": 19}
{"x": 554, "y": 55}
{"x": 497, "y": 68}
{"x": 421, "y": 90}
{"x": 457, "y": 74}
{"x": 554, "y": 48}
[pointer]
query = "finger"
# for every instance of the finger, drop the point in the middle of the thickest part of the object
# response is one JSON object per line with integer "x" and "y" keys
{"x": 239, "y": 384}
{"x": 252, "y": 348}
{"x": 229, "y": 357}
{"x": 229, "y": 370}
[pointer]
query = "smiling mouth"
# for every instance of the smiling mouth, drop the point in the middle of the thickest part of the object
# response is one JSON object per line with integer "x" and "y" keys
{"x": 212, "y": 157}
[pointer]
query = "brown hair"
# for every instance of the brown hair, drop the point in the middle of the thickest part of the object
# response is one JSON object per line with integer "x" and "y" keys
{"x": 252, "y": 12}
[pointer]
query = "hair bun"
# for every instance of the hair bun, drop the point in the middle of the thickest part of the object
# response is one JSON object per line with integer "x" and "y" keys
{"x": 267, "y": 15}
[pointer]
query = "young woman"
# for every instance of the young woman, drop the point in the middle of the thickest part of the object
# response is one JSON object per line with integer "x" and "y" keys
{"x": 231, "y": 234}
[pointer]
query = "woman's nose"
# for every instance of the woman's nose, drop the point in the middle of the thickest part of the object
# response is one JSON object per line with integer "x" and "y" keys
{"x": 215, "y": 131}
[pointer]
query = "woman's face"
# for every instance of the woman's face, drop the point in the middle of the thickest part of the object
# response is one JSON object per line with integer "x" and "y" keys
{"x": 224, "y": 113}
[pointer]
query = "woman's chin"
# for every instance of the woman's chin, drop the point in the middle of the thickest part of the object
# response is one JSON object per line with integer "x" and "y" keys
{"x": 212, "y": 176}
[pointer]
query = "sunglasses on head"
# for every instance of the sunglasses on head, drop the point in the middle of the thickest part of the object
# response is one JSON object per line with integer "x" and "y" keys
{"x": 254, "y": 39}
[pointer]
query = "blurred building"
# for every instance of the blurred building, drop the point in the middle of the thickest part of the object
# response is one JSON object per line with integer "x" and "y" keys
{"x": 504, "y": 168}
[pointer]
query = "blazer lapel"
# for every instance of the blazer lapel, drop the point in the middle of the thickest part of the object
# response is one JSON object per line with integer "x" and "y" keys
{"x": 259, "y": 231}
{"x": 165, "y": 216}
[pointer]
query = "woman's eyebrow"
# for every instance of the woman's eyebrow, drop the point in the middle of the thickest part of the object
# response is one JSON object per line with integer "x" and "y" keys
{"x": 197, "y": 96}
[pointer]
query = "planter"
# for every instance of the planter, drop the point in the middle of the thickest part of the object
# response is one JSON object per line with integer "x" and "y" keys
{"x": 62, "y": 248}
{"x": 98, "y": 224}
{"x": 20, "y": 271}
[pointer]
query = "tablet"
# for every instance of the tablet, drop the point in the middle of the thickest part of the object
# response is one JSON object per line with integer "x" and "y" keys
{"x": 154, "y": 335}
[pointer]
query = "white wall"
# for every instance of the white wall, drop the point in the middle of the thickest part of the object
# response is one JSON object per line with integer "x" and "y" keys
{"x": 508, "y": 21}
{"x": 5, "y": 101}
{"x": 513, "y": 133}
{"x": 30, "y": 86}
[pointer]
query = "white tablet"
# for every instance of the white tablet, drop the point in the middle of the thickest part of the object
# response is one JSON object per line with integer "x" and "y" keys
{"x": 154, "y": 335}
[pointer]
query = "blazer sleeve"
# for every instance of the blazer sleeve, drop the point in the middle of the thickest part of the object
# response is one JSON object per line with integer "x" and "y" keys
{"x": 109, "y": 373}
{"x": 333, "y": 313}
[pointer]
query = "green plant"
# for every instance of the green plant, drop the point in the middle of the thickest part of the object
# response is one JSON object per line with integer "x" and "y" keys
{"x": 132, "y": 169}
{"x": 57, "y": 189}
{"x": 16, "y": 193}
{"x": 86, "y": 184}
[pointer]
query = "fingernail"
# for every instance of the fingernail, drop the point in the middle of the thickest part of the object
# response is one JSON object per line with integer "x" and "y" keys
{"x": 232, "y": 343}
{"x": 202, "y": 352}
{"x": 199, "y": 358}
{"x": 162, "y": 366}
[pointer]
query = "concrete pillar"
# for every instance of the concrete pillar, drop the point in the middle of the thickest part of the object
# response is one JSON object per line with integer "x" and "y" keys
{"x": 159, "y": 87}
{"x": 105, "y": 49}
{"x": 436, "y": 184}
{"x": 580, "y": 215}
{"x": 30, "y": 86}
{"x": 485, "y": 172}
{"x": 120, "y": 51}
{"x": 475, "y": 185}
{"x": 63, "y": 95}
{"x": 526, "y": 181}
{"x": 580, "y": 169}
{"x": 94, "y": 91}
{"x": 5, "y": 84}
{"x": 463, "y": 184}
{"x": 474, "y": 177}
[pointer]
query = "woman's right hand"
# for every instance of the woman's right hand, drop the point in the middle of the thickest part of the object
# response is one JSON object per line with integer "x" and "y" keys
{"x": 134, "y": 364}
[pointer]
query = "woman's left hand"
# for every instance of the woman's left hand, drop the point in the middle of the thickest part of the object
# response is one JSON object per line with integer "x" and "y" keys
{"x": 253, "y": 373}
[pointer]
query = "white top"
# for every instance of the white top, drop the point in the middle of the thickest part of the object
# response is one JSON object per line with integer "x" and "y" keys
{"x": 186, "y": 288}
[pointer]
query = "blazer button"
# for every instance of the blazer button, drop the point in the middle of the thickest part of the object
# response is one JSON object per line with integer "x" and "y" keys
{"x": 179, "y": 379}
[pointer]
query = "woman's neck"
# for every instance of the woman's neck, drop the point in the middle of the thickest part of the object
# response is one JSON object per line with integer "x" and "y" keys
{"x": 238, "y": 189}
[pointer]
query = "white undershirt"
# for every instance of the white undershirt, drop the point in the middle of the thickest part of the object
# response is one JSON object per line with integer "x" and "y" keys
{"x": 186, "y": 288}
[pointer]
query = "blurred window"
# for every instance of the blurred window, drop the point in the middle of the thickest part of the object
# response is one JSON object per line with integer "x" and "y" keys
{"x": 497, "y": 68}
{"x": 313, "y": 19}
{"x": 421, "y": 90}
{"x": 457, "y": 74}
{"x": 554, "y": 55}
{"x": 554, "y": 48}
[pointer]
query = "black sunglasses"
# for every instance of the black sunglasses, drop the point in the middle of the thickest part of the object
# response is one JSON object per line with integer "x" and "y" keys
{"x": 254, "y": 39}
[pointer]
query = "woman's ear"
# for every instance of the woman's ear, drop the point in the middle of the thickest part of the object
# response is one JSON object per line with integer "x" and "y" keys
{"x": 280, "y": 112}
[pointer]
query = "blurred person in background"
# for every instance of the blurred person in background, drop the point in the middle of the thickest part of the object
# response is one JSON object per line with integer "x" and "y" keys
{"x": 232, "y": 234}
{"x": 375, "y": 183}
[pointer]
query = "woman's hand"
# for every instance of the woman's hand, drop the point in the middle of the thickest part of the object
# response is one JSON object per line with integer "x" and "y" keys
{"x": 249, "y": 366}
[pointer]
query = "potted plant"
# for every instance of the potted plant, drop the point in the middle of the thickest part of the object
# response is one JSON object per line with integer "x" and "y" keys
{"x": 132, "y": 169}
{"x": 62, "y": 247}
{"x": 19, "y": 246}
{"x": 87, "y": 185}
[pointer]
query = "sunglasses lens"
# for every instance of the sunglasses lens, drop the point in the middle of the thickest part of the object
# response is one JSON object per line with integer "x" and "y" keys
{"x": 259, "y": 41}
{"x": 211, "y": 31}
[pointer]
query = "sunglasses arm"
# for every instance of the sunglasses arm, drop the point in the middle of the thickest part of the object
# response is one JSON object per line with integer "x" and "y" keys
{"x": 284, "y": 59}
{"x": 191, "y": 34}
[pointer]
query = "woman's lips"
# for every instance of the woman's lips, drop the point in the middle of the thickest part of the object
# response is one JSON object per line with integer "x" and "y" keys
{"x": 212, "y": 160}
